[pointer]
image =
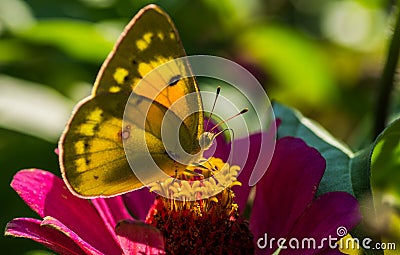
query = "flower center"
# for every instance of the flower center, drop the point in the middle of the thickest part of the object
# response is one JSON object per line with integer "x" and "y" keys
{"x": 209, "y": 224}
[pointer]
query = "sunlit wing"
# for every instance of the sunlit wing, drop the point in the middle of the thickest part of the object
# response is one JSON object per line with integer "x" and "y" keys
{"x": 149, "y": 41}
{"x": 92, "y": 157}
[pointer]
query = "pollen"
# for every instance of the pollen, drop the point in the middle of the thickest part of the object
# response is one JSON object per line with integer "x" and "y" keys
{"x": 199, "y": 182}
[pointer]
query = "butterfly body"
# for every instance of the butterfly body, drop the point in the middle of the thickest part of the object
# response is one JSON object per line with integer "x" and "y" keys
{"x": 140, "y": 96}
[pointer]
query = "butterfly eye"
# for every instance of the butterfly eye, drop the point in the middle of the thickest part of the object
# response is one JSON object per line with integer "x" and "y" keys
{"x": 174, "y": 80}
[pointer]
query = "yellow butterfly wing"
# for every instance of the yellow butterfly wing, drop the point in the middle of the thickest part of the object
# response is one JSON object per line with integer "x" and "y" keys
{"x": 149, "y": 41}
{"x": 92, "y": 156}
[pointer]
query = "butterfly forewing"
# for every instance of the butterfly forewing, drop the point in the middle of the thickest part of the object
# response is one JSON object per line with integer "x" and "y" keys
{"x": 149, "y": 41}
{"x": 92, "y": 156}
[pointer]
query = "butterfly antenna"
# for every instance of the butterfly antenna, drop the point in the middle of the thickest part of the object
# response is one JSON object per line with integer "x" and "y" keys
{"x": 212, "y": 109}
{"x": 228, "y": 119}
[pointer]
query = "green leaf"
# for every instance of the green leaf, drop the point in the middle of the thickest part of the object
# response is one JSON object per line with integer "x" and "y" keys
{"x": 338, "y": 157}
{"x": 345, "y": 170}
{"x": 385, "y": 179}
{"x": 385, "y": 160}
{"x": 360, "y": 173}
{"x": 81, "y": 40}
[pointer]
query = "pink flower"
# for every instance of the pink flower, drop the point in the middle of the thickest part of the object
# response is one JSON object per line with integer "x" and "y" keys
{"x": 71, "y": 225}
{"x": 284, "y": 206}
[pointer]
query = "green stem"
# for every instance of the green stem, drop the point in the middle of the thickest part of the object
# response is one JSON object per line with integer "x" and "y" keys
{"x": 387, "y": 80}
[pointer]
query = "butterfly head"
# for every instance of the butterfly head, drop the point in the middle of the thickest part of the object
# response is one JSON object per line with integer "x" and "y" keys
{"x": 206, "y": 139}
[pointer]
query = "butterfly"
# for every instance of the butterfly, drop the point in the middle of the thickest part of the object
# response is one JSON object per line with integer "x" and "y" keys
{"x": 114, "y": 127}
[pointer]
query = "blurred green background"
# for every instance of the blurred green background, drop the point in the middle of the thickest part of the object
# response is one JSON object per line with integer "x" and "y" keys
{"x": 321, "y": 57}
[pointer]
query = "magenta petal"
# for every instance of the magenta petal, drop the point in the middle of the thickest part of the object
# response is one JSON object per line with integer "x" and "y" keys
{"x": 55, "y": 224}
{"x": 330, "y": 252}
{"x": 241, "y": 146}
{"x": 305, "y": 252}
{"x": 111, "y": 210}
{"x": 139, "y": 202}
{"x": 51, "y": 238}
{"x": 139, "y": 238}
{"x": 47, "y": 195}
{"x": 219, "y": 149}
{"x": 327, "y": 214}
{"x": 287, "y": 188}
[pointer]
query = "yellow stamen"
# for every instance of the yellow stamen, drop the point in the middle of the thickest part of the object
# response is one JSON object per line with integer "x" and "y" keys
{"x": 209, "y": 182}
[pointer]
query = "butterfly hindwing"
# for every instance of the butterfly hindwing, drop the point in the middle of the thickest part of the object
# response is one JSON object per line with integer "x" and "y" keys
{"x": 92, "y": 156}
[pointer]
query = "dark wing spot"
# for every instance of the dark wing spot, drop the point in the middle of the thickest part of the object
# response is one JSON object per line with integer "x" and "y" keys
{"x": 174, "y": 80}
{"x": 87, "y": 161}
{"x": 95, "y": 177}
{"x": 126, "y": 78}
